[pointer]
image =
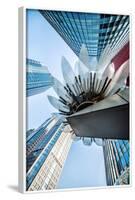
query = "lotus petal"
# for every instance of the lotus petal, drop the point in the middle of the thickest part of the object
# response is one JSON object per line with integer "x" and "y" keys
{"x": 84, "y": 56}
{"x": 67, "y": 71}
{"x": 61, "y": 92}
{"x": 76, "y": 68}
{"x": 81, "y": 68}
{"x": 57, "y": 104}
{"x": 82, "y": 71}
{"x": 93, "y": 63}
{"x": 87, "y": 141}
{"x": 104, "y": 59}
{"x": 119, "y": 78}
{"x": 87, "y": 81}
{"x": 99, "y": 142}
{"x": 109, "y": 71}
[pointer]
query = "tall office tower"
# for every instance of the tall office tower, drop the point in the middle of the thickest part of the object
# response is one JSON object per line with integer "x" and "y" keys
{"x": 96, "y": 31}
{"x": 116, "y": 155}
{"x": 38, "y": 78}
{"x": 47, "y": 149}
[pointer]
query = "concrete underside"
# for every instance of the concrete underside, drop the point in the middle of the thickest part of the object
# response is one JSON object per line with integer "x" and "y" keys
{"x": 108, "y": 119}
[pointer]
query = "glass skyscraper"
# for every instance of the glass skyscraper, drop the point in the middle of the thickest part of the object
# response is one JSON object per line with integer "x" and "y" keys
{"x": 116, "y": 155}
{"x": 38, "y": 78}
{"x": 47, "y": 149}
{"x": 96, "y": 31}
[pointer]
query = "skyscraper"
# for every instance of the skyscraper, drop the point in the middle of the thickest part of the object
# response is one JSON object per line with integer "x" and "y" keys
{"x": 96, "y": 31}
{"x": 38, "y": 78}
{"x": 116, "y": 155}
{"x": 47, "y": 149}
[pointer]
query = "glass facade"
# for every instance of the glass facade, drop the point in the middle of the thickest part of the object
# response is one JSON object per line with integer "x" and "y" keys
{"x": 116, "y": 155}
{"x": 38, "y": 79}
{"x": 39, "y": 139}
{"x": 96, "y": 31}
{"x": 40, "y": 145}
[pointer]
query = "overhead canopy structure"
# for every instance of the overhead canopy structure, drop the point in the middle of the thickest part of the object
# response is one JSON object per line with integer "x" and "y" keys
{"x": 108, "y": 118}
{"x": 95, "y": 103}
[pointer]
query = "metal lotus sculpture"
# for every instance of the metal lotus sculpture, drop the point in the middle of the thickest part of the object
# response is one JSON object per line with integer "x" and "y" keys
{"x": 88, "y": 84}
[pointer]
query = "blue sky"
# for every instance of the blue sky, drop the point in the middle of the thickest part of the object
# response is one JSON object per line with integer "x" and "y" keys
{"x": 84, "y": 166}
{"x": 45, "y": 45}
